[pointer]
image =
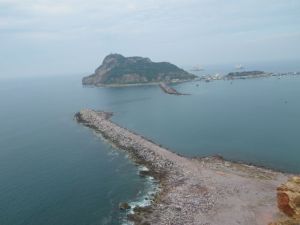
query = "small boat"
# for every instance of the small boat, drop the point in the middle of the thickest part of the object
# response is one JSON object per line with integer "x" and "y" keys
{"x": 239, "y": 67}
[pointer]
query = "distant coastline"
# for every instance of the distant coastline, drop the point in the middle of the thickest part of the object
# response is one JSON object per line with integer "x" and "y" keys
{"x": 140, "y": 84}
{"x": 246, "y": 75}
{"x": 207, "y": 78}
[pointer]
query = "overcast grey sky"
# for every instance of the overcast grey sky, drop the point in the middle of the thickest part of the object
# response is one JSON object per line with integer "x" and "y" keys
{"x": 43, "y": 37}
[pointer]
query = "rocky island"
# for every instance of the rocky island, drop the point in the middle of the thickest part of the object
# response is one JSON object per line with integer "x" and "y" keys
{"x": 198, "y": 191}
{"x": 247, "y": 74}
{"x": 119, "y": 70}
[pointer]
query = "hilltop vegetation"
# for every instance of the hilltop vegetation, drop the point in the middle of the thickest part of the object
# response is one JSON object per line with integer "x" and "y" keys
{"x": 117, "y": 69}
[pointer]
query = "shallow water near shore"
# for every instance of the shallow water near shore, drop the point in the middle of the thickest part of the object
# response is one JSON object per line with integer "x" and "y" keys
{"x": 55, "y": 171}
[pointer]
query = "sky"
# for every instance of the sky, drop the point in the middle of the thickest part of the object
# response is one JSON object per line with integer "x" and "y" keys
{"x": 50, "y": 37}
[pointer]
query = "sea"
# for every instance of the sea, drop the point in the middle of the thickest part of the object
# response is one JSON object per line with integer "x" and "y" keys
{"x": 56, "y": 171}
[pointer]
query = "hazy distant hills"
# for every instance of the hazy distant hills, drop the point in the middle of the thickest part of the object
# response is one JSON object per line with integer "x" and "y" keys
{"x": 119, "y": 70}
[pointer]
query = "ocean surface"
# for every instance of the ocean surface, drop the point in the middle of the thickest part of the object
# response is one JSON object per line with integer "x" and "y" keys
{"x": 55, "y": 171}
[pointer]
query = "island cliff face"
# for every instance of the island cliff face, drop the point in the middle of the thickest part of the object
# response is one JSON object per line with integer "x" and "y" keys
{"x": 119, "y": 70}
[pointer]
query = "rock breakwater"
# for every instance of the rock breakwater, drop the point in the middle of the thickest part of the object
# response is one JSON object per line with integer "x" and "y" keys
{"x": 169, "y": 90}
{"x": 288, "y": 199}
{"x": 196, "y": 191}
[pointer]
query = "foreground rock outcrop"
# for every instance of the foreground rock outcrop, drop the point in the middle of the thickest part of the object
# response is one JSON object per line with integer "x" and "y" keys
{"x": 288, "y": 196}
{"x": 194, "y": 191}
{"x": 119, "y": 70}
{"x": 288, "y": 199}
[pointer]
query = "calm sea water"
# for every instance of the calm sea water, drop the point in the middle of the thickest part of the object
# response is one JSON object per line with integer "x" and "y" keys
{"x": 54, "y": 171}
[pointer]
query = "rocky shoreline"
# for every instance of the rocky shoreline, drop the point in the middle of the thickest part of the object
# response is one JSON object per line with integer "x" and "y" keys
{"x": 196, "y": 191}
{"x": 141, "y": 84}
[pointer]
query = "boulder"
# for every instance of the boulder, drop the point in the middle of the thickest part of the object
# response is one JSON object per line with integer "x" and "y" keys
{"x": 144, "y": 173}
{"x": 288, "y": 198}
{"x": 124, "y": 206}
